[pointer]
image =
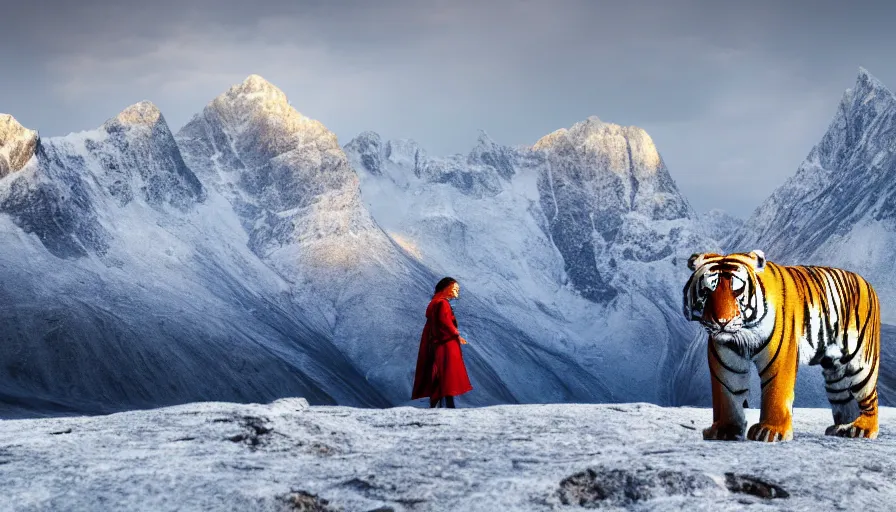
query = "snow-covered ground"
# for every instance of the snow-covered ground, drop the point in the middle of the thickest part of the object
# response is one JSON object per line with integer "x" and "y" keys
{"x": 288, "y": 456}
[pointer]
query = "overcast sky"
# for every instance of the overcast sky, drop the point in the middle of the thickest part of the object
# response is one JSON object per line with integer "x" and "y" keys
{"x": 734, "y": 94}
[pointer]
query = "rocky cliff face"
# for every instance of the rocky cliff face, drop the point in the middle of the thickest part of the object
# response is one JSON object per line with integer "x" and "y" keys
{"x": 137, "y": 156}
{"x": 285, "y": 175}
{"x": 17, "y": 145}
{"x": 602, "y": 187}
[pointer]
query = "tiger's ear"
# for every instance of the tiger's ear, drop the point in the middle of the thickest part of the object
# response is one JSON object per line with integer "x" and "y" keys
{"x": 759, "y": 256}
{"x": 695, "y": 260}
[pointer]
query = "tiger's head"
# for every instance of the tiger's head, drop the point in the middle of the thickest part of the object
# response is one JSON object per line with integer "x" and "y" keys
{"x": 726, "y": 295}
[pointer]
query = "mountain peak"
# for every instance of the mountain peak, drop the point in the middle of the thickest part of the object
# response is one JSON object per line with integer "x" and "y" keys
{"x": 577, "y": 133}
{"x": 483, "y": 139}
{"x": 255, "y": 102}
{"x": 17, "y": 144}
{"x": 144, "y": 113}
{"x": 590, "y": 124}
{"x": 867, "y": 86}
{"x": 368, "y": 145}
{"x": 844, "y": 182}
{"x": 10, "y": 129}
{"x": 366, "y": 137}
{"x": 866, "y": 83}
{"x": 550, "y": 139}
{"x": 255, "y": 87}
{"x": 258, "y": 83}
{"x": 593, "y": 134}
{"x": 620, "y": 164}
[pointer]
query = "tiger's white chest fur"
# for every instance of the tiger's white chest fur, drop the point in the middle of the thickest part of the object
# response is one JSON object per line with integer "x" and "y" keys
{"x": 747, "y": 342}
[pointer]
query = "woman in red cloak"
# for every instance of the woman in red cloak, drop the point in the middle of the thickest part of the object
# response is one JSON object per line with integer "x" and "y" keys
{"x": 440, "y": 364}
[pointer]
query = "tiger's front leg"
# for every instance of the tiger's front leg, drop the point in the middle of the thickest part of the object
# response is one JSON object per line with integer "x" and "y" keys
{"x": 730, "y": 377}
{"x": 777, "y": 371}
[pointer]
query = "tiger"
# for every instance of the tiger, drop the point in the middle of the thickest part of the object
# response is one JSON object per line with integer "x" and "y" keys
{"x": 778, "y": 317}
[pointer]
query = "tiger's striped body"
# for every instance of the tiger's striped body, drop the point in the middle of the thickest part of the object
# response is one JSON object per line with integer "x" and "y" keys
{"x": 776, "y": 317}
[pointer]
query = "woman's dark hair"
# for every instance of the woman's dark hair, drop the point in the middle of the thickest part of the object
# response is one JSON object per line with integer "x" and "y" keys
{"x": 445, "y": 283}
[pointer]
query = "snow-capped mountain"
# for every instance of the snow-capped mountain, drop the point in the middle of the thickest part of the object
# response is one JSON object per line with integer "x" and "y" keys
{"x": 249, "y": 256}
{"x": 581, "y": 239}
{"x": 299, "y": 201}
{"x": 606, "y": 188}
{"x": 126, "y": 283}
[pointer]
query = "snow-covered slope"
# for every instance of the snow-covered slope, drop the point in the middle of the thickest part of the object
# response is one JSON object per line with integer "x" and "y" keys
{"x": 288, "y": 456}
{"x": 127, "y": 284}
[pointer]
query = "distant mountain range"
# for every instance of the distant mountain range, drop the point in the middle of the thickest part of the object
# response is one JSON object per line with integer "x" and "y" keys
{"x": 250, "y": 257}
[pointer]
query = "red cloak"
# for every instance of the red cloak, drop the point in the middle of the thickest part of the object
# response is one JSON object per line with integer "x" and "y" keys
{"x": 440, "y": 364}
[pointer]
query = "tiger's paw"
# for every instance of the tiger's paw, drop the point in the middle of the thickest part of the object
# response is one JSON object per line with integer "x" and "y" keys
{"x": 769, "y": 433}
{"x": 724, "y": 432}
{"x": 851, "y": 430}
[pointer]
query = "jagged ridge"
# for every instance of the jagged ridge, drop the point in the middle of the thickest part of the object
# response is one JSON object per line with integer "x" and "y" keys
{"x": 17, "y": 145}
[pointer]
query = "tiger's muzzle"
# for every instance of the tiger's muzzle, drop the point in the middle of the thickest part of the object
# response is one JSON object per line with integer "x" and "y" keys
{"x": 722, "y": 326}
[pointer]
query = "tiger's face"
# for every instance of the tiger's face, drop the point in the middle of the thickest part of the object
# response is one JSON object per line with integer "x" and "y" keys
{"x": 725, "y": 294}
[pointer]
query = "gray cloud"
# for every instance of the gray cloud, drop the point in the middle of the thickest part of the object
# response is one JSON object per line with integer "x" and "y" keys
{"x": 734, "y": 94}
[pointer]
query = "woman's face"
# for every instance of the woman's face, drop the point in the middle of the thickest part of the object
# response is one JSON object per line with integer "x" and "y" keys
{"x": 454, "y": 290}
